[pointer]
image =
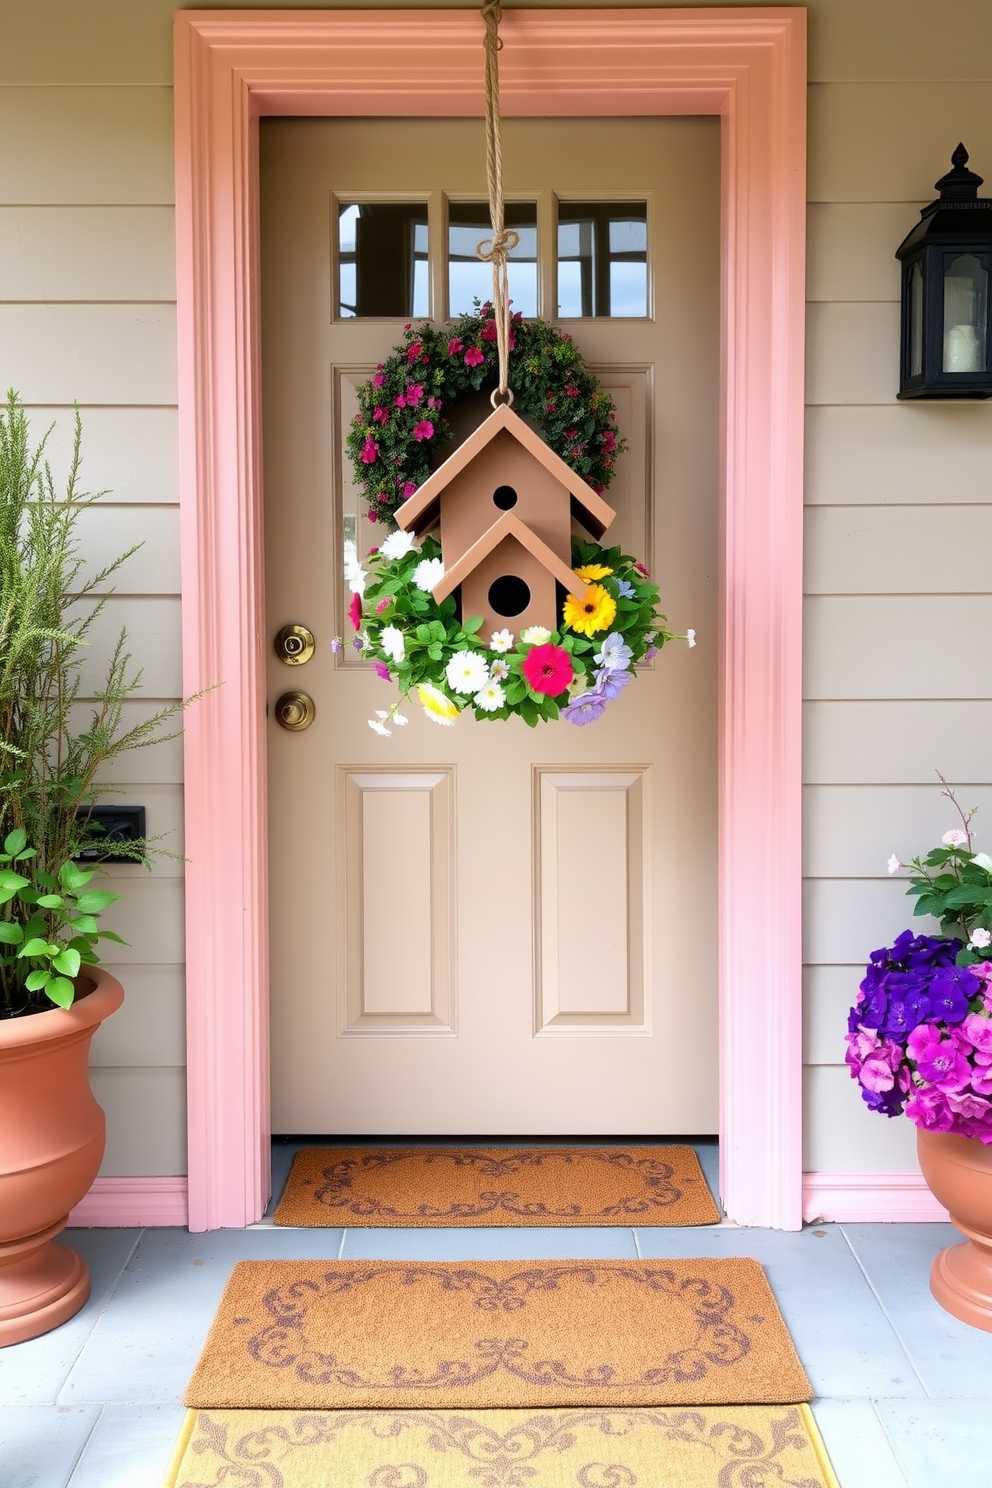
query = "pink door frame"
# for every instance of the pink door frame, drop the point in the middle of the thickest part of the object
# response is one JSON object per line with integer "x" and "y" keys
{"x": 749, "y": 67}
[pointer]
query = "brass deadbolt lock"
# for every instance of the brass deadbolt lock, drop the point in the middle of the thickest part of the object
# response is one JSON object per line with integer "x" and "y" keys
{"x": 294, "y": 644}
{"x": 295, "y": 711}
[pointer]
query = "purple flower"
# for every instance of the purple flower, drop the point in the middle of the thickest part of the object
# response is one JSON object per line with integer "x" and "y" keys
{"x": 586, "y": 708}
{"x": 943, "y": 1065}
{"x": 610, "y": 685}
{"x": 950, "y": 992}
{"x": 625, "y": 589}
{"x": 382, "y": 670}
{"x": 614, "y": 655}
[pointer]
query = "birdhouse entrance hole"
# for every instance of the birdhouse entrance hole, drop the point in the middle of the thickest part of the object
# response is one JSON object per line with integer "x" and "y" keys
{"x": 509, "y": 595}
{"x": 505, "y": 497}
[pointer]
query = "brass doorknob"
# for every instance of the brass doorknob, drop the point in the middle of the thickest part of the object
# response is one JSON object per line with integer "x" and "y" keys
{"x": 295, "y": 711}
{"x": 294, "y": 644}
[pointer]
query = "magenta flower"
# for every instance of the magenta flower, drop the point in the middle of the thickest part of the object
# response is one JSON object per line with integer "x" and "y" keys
{"x": 414, "y": 393}
{"x": 943, "y": 1065}
{"x": 455, "y": 345}
{"x": 473, "y": 357}
{"x": 379, "y": 380}
{"x": 383, "y": 605}
{"x": 929, "y": 1109}
{"x": 382, "y": 670}
{"x": 408, "y": 489}
{"x": 423, "y": 430}
{"x": 875, "y": 1073}
{"x": 380, "y": 416}
{"x": 413, "y": 351}
{"x": 489, "y": 331}
{"x": 548, "y": 669}
{"x": 400, "y": 402}
{"x": 978, "y": 1031}
{"x": 433, "y": 402}
{"x": 355, "y": 610}
{"x": 609, "y": 441}
{"x": 370, "y": 451}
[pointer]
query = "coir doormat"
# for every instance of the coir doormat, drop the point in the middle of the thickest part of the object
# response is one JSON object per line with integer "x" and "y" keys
{"x": 710, "y": 1447}
{"x": 332, "y": 1335}
{"x": 475, "y": 1186}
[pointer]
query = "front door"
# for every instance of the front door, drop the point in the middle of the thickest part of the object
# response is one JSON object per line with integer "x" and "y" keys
{"x": 492, "y": 930}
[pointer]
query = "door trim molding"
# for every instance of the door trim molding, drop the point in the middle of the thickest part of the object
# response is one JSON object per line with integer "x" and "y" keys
{"x": 749, "y": 67}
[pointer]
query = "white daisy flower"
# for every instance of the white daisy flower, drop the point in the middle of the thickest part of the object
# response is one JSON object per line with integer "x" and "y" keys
{"x": 392, "y": 643}
{"x": 397, "y": 544}
{"x": 499, "y": 671}
{"x": 490, "y": 697}
{"x": 467, "y": 671}
{"x": 380, "y": 728}
{"x": 358, "y": 580}
{"x": 690, "y": 636}
{"x": 501, "y": 640}
{"x": 400, "y": 719}
{"x": 536, "y": 635}
{"x": 428, "y": 573}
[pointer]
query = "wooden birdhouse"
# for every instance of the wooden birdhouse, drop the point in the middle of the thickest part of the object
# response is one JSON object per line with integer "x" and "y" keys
{"x": 505, "y": 502}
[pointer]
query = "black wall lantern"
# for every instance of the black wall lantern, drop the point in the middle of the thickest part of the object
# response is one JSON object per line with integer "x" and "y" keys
{"x": 946, "y": 345}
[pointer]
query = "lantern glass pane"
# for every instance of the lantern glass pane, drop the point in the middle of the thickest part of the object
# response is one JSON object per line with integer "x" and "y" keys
{"x": 916, "y": 320}
{"x": 966, "y": 296}
{"x": 382, "y": 260}
{"x": 603, "y": 259}
{"x": 469, "y": 277}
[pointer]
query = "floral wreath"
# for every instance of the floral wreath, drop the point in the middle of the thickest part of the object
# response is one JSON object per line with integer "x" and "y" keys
{"x": 427, "y": 648}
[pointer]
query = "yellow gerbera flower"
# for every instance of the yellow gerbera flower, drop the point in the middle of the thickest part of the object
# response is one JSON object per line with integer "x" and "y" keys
{"x": 595, "y": 612}
{"x": 438, "y": 707}
{"x": 593, "y": 571}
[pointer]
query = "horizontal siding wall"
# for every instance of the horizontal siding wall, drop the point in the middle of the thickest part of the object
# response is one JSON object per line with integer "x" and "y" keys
{"x": 87, "y": 315}
{"x": 898, "y": 606}
{"x": 898, "y": 600}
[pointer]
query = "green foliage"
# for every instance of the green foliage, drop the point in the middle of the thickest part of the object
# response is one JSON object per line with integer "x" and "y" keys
{"x": 954, "y": 885}
{"x": 55, "y": 745}
{"x": 389, "y": 445}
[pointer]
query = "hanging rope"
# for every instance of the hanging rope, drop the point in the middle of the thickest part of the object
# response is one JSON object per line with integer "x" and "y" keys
{"x": 496, "y": 249}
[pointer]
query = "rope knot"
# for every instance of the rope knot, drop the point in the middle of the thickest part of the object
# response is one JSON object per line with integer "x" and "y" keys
{"x": 499, "y": 246}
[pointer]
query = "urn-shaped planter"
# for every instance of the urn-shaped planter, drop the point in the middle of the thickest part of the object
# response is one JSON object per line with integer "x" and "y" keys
{"x": 52, "y": 1136}
{"x": 958, "y": 1171}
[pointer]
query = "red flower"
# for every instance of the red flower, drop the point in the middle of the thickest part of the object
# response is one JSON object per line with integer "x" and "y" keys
{"x": 473, "y": 357}
{"x": 548, "y": 669}
{"x": 455, "y": 345}
{"x": 572, "y": 392}
{"x": 370, "y": 451}
{"x": 489, "y": 331}
{"x": 355, "y": 611}
{"x": 413, "y": 351}
{"x": 571, "y": 433}
{"x": 423, "y": 430}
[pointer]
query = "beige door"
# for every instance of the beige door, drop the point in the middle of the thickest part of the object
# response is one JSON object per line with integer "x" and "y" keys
{"x": 491, "y": 929}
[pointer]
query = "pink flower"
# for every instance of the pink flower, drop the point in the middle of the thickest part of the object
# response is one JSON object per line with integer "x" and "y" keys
{"x": 978, "y": 1031}
{"x": 355, "y": 610}
{"x": 875, "y": 1074}
{"x": 383, "y": 605}
{"x": 571, "y": 392}
{"x": 943, "y": 1065}
{"x": 400, "y": 402}
{"x": 433, "y": 402}
{"x": 380, "y": 416}
{"x": 413, "y": 351}
{"x": 414, "y": 393}
{"x": 548, "y": 669}
{"x": 641, "y": 569}
{"x": 455, "y": 345}
{"x": 981, "y": 1079}
{"x": 473, "y": 357}
{"x": 489, "y": 331}
{"x": 370, "y": 451}
{"x": 379, "y": 379}
{"x": 423, "y": 430}
{"x": 609, "y": 440}
{"x": 408, "y": 489}
{"x": 382, "y": 670}
{"x": 929, "y": 1109}
{"x": 967, "y": 1105}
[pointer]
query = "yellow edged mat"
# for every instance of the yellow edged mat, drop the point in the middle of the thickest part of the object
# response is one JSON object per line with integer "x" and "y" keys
{"x": 359, "y": 1187}
{"x": 709, "y": 1447}
{"x": 330, "y": 1335}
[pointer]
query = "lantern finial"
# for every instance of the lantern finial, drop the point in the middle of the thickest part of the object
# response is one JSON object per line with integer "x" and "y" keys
{"x": 960, "y": 184}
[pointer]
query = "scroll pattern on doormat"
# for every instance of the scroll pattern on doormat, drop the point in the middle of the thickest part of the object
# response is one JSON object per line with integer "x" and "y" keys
{"x": 475, "y": 1186}
{"x": 497, "y": 1334}
{"x": 710, "y": 1447}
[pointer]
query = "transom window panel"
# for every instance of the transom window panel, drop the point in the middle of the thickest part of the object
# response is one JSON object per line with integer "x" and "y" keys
{"x": 471, "y": 278}
{"x": 383, "y": 268}
{"x": 602, "y": 259}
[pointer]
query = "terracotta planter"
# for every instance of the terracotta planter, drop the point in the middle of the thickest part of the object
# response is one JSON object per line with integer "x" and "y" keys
{"x": 52, "y": 1136}
{"x": 958, "y": 1171}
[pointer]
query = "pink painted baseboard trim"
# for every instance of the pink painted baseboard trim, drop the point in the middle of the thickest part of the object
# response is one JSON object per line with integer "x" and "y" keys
{"x": 125, "y": 1203}
{"x": 870, "y": 1198}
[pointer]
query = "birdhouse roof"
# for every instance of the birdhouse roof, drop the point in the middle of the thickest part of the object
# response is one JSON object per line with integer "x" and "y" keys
{"x": 509, "y": 525}
{"x": 419, "y": 511}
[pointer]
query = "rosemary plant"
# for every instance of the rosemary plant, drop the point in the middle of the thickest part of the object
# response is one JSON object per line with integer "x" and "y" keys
{"x": 55, "y": 744}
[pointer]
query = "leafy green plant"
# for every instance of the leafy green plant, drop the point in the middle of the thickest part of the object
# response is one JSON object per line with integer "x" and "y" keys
{"x": 57, "y": 746}
{"x": 954, "y": 884}
{"x": 48, "y": 929}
